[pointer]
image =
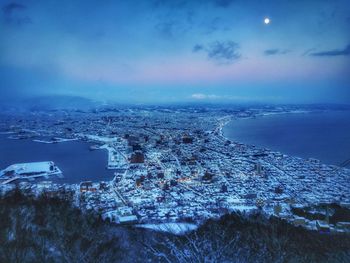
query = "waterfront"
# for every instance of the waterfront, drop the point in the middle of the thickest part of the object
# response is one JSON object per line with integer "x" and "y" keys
{"x": 321, "y": 135}
{"x": 74, "y": 158}
{"x": 173, "y": 171}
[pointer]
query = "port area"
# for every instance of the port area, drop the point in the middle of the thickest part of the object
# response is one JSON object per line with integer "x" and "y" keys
{"x": 55, "y": 140}
{"x": 28, "y": 171}
{"x": 116, "y": 148}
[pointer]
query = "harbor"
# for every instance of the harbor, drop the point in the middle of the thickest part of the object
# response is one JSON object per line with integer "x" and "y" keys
{"x": 73, "y": 158}
{"x": 154, "y": 171}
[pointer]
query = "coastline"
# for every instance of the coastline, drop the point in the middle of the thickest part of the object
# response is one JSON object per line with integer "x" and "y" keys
{"x": 143, "y": 195}
{"x": 94, "y": 169}
{"x": 224, "y": 133}
{"x": 231, "y": 118}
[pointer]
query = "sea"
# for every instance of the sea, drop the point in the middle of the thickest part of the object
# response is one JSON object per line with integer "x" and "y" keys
{"x": 323, "y": 135}
{"x": 75, "y": 159}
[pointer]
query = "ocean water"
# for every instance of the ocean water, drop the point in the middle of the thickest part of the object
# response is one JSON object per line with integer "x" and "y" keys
{"x": 321, "y": 135}
{"x": 74, "y": 158}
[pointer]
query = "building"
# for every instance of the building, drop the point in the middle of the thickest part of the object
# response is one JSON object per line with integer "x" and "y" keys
{"x": 277, "y": 209}
{"x": 129, "y": 219}
{"x": 137, "y": 157}
{"x": 258, "y": 168}
{"x": 132, "y": 140}
{"x": 28, "y": 171}
{"x": 250, "y": 195}
{"x": 343, "y": 225}
{"x": 299, "y": 221}
{"x": 187, "y": 139}
{"x": 208, "y": 176}
{"x": 87, "y": 186}
{"x": 322, "y": 226}
{"x": 31, "y": 169}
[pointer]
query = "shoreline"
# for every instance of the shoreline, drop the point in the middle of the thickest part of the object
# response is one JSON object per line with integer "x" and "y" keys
{"x": 144, "y": 194}
{"x": 260, "y": 116}
{"x": 61, "y": 180}
{"x": 262, "y": 147}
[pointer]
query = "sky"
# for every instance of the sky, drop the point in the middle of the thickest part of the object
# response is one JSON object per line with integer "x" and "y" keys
{"x": 168, "y": 51}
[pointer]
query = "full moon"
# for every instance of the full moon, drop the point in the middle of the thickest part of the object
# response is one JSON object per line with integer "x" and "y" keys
{"x": 267, "y": 20}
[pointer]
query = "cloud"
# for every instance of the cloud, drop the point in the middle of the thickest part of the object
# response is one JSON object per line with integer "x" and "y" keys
{"x": 176, "y": 4}
{"x": 197, "y": 48}
{"x": 201, "y": 96}
{"x": 11, "y": 7}
{"x": 223, "y": 3}
{"x": 332, "y": 53}
{"x": 13, "y": 14}
{"x": 176, "y": 17}
{"x": 216, "y": 24}
{"x": 183, "y": 3}
{"x": 231, "y": 98}
{"x": 166, "y": 29}
{"x": 171, "y": 29}
{"x": 308, "y": 51}
{"x": 275, "y": 51}
{"x": 223, "y": 52}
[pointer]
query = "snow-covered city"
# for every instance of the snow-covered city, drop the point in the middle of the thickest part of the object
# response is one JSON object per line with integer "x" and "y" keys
{"x": 175, "y": 165}
{"x": 175, "y": 131}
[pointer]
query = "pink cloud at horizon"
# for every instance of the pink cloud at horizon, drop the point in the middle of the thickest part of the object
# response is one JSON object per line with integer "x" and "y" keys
{"x": 177, "y": 71}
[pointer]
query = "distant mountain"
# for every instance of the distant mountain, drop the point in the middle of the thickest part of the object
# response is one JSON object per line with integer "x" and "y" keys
{"x": 59, "y": 102}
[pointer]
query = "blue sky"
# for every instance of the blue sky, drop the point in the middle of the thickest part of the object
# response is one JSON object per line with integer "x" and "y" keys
{"x": 175, "y": 51}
